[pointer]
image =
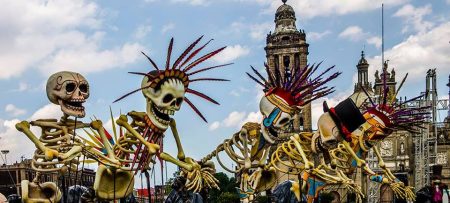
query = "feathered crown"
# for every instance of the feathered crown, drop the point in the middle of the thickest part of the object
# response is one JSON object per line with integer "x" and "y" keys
{"x": 397, "y": 115}
{"x": 181, "y": 69}
{"x": 297, "y": 89}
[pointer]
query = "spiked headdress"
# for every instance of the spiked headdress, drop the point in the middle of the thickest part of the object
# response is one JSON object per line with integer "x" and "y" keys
{"x": 182, "y": 69}
{"x": 396, "y": 115}
{"x": 297, "y": 89}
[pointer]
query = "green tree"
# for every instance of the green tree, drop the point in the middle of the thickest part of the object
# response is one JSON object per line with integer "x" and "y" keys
{"x": 227, "y": 189}
{"x": 228, "y": 197}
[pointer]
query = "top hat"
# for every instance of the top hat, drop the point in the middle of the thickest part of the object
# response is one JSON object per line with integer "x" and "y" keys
{"x": 347, "y": 117}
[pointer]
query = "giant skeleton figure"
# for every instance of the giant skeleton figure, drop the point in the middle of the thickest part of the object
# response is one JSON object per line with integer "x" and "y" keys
{"x": 283, "y": 101}
{"x": 57, "y": 148}
{"x": 140, "y": 140}
{"x": 296, "y": 156}
{"x": 382, "y": 116}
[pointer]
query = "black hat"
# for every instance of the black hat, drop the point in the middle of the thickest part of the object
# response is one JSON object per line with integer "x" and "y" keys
{"x": 346, "y": 115}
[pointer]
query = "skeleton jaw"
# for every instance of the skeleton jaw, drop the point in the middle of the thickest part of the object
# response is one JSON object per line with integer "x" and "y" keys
{"x": 159, "y": 117}
{"x": 73, "y": 107}
{"x": 272, "y": 133}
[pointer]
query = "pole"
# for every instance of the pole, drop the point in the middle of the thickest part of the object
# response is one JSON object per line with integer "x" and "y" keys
{"x": 382, "y": 35}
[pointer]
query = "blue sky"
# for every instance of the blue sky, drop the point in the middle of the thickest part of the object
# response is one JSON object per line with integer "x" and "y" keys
{"x": 103, "y": 40}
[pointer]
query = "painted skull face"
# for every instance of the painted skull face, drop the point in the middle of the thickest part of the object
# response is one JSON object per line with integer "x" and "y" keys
{"x": 163, "y": 100}
{"x": 69, "y": 90}
{"x": 375, "y": 128}
{"x": 278, "y": 117}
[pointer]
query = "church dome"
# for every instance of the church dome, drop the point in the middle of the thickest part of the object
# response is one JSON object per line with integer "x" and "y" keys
{"x": 360, "y": 97}
{"x": 285, "y": 11}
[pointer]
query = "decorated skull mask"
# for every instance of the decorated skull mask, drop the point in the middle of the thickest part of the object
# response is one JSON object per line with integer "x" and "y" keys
{"x": 278, "y": 117}
{"x": 163, "y": 100}
{"x": 69, "y": 90}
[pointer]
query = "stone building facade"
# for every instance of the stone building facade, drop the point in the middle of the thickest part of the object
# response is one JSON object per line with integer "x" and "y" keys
{"x": 286, "y": 49}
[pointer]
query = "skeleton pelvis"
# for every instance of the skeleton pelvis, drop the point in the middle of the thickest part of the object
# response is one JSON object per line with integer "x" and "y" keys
{"x": 267, "y": 181}
{"x": 111, "y": 184}
{"x": 46, "y": 192}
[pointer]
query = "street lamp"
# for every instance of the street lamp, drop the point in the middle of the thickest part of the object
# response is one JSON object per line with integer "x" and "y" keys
{"x": 5, "y": 152}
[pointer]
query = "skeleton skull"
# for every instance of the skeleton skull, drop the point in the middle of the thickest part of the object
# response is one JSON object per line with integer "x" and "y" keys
{"x": 69, "y": 90}
{"x": 276, "y": 121}
{"x": 163, "y": 100}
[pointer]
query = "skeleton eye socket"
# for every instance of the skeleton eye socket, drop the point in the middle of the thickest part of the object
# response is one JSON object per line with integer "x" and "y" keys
{"x": 168, "y": 98}
{"x": 179, "y": 101}
{"x": 83, "y": 88}
{"x": 70, "y": 87}
{"x": 284, "y": 120}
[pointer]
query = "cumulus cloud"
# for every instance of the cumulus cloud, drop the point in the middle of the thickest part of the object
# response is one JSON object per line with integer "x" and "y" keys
{"x": 419, "y": 52}
{"x": 231, "y": 53}
{"x": 413, "y": 17}
{"x": 167, "y": 27}
{"x": 18, "y": 143}
{"x": 236, "y": 119}
{"x": 376, "y": 41}
{"x": 315, "y": 36}
{"x": 354, "y": 33}
{"x": 259, "y": 31}
{"x": 14, "y": 111}
{"x": 193, "y": 2}
{"x": 142, "y": 31}
{"x": 310, "y": 9}
{"x": 52, "y": 33}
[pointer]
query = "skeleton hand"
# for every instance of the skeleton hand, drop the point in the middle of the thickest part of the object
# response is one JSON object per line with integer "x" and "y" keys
{"x": 200, "y": 176}
{"x": 409, "y": 193}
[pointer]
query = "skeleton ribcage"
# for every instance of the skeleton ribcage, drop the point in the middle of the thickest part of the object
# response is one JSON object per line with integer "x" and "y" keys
{"x": 287, "y": 159}
{"x": 60, "y": 139}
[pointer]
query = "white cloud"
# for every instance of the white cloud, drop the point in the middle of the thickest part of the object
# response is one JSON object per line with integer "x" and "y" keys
{"x": 17, "y": 142}
{"x": 420, "y": 52}
{"x": 234, "y": 119}
{"x": 193, "y": 2}
{"x": 314, "y": 36}
{"x": 414, "y": 17}
{"x": 14, "y": 111}
{"x": 259, "y": 31}
{"x": 49, "y": 33}
{"x": 310, "y": 9}
{"x": 231, "y": 53}
{"x": 214, "y": 125}
{"x": 167, "y": 27}
{"x": 47, "y": 111}
{"x": 376, "y": 41}
{"x": 142, "y": 31}
{"x": 354, "y": 33}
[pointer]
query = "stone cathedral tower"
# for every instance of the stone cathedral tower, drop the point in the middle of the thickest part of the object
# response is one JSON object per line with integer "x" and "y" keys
{"x": 287, "y": 49}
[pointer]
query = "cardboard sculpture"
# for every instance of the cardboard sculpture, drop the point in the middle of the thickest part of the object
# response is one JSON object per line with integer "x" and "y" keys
{"x": 140, "y": 137}
{"x": 57, "y": 147}
{"x": 285, "y": 95}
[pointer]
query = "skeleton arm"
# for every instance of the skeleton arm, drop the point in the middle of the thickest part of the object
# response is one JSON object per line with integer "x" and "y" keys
{"x": 24, "y": 127}
{"x": 123, "y": 122}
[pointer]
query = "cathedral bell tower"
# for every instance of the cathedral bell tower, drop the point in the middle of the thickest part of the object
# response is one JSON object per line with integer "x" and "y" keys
{"x": 287, "y": 50}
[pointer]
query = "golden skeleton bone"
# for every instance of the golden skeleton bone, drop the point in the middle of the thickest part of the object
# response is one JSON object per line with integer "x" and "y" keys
{"x": 293, "y": 155}
{"x": 250, "y": 157}
{"x": 346, "y": 159}
{"x": 141, "y": 138}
